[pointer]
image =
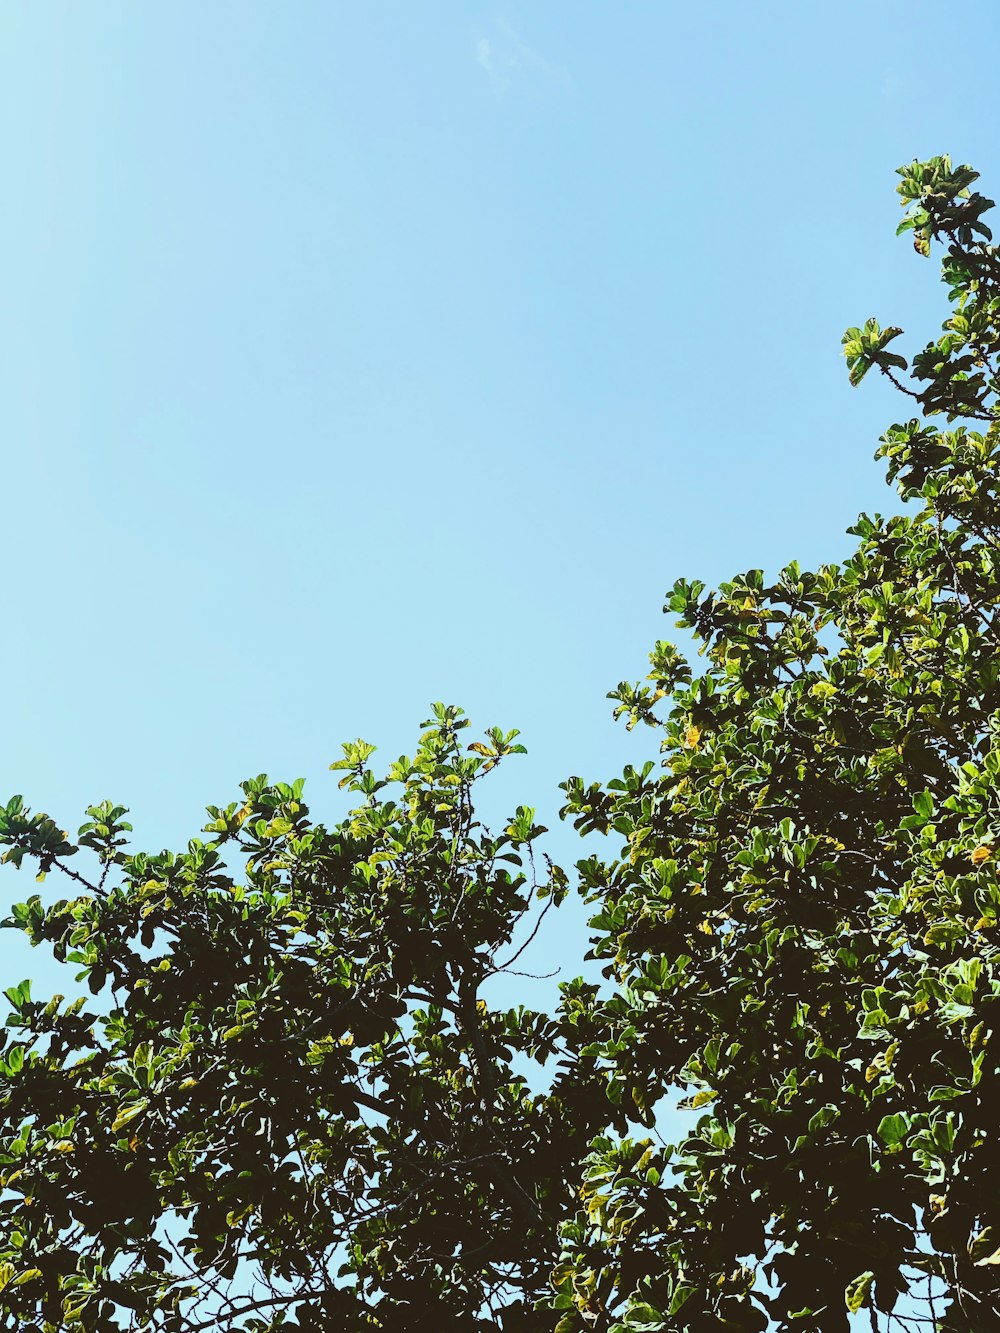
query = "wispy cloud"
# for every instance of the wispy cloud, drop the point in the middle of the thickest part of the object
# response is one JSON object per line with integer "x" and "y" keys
{"x": 507, "y": 58}
{"x": 484, "y": 55}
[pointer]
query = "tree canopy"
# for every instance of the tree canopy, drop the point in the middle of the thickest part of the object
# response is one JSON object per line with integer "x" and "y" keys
{"x": 290, "y": 1105}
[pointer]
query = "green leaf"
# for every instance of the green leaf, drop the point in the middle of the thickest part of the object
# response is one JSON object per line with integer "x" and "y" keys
{"x": 892, "y": 1129}
{"x": 826, "y": 1115}
{"x": 644, "y": 1317}
{"x": 943, "y": 934}
{"x": 984, "y": 1249}
{"x": 128, "y": 1113}
{"x": 857, "y": 1292}
{"x": 682, "y": 1294}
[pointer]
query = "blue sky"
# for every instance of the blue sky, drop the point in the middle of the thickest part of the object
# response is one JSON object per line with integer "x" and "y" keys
{"x": 358, "y": 355}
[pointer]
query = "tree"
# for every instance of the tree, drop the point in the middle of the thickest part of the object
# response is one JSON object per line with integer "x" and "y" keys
{"x": 290, "y": 1105}
{"x": 803, "y": 924}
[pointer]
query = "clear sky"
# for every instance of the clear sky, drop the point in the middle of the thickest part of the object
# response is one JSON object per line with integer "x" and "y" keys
{"x": 358, "y": 355}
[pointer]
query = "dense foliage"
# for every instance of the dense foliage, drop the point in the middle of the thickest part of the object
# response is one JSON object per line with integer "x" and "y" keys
{"x": 297, "y": 1098}
{"x": 805, "y": 919}
{"x": 289, "y": 1104}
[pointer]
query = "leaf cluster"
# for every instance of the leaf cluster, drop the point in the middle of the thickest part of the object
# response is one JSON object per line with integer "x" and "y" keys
{"x": 802, "y": 923}
{"x": 290, "y": 1106}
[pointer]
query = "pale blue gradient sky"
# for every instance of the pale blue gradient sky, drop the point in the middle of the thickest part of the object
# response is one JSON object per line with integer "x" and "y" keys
{"x": 358, "y": 355}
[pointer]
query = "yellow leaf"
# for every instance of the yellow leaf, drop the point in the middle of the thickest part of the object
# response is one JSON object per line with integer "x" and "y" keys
{"x": 857, "y": 1292}
{"x": 823, "y": 689}
{"x": 981, "y": 854}
{"x": 702, "y": 1098}
{"x": 128, "y": 1113}
{"x": 691, "y": 737}
{"x": 983, "y": 1249}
